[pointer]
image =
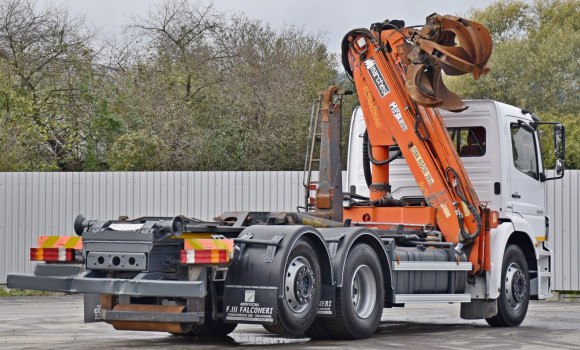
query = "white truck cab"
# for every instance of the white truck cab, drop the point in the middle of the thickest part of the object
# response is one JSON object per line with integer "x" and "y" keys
{"x": 500, "y": 150}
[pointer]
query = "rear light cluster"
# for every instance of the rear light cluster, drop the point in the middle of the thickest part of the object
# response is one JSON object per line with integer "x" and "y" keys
{"x": 206, "y": 251}
{"x": 205, "y": 256}
{"x": 52, "y": 254}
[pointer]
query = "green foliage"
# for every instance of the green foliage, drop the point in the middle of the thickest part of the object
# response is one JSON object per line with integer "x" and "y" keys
{"x": 191, "y": 88}
{"x": 137, "y": 150}
{"x": 572, "y": 123}
{"x": 235, "y": 98}
{"x": 103, "y": 132}
{"x": 535, "y": 63}
{"x": 271, "y": 79}
{"x": 21, "y": 139}
{"x": 187, "y": 88}
{"x": 47, "y": 63}
{"x": 24, "y": 293}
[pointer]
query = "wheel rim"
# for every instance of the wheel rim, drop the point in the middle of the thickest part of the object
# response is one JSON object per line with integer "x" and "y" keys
{"x": 299, "y": 284}
{"x": 515, "y": 286}
{"x": 364, "y": 291}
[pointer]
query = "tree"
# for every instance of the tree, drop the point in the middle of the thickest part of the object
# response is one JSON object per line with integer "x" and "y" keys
{"x": 20, "y": 140}
{"x": 535, "y": 61}
{"x": 217, "y": 93}
{"x": 185, "y": 88}
{"x": 270, "y": 80}
{"x": 48, "y": 83}
{"x": 161, "y": 77}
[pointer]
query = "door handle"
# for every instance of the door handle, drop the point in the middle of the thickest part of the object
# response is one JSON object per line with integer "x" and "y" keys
{"x": 516, "y": 195}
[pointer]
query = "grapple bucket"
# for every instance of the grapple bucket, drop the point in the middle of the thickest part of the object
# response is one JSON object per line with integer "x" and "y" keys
{"x": 449, "y": 43}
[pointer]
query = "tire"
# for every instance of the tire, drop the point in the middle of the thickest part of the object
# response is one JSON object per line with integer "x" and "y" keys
{"x": 211, "y": 327}
{"x": 302, "y": 291}
{"x": 359, "y": 303}
{"x": 512, "y": 304}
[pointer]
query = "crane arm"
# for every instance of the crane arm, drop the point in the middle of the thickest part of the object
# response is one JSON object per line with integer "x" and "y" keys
{"x": 397, "y": 72}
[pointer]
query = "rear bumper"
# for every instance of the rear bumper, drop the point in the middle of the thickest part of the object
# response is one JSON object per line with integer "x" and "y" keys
{"x": 87, "y": 282}
{"x": 164, "y": 317}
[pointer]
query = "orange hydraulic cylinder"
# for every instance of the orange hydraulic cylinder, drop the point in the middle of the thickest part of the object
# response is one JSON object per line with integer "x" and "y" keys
{"x": 380, "y": 173}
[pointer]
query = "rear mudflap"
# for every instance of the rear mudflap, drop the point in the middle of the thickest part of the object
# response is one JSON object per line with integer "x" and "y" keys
{"x": 255, "y": 304}
{"x": 254, "y": 280}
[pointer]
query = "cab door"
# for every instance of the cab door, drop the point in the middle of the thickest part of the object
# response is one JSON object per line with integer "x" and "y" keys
{"x": 526, "y": 188}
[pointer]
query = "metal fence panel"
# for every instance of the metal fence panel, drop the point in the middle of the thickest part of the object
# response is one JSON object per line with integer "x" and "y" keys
{"x": 35, "y": 204}
{"x": 563, "y": 206}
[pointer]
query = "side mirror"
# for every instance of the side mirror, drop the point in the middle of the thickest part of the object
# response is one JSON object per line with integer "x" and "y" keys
{"x": 559, "y": 149}
{"x": 559, "y": 167}
{"x": 559, "y": 141}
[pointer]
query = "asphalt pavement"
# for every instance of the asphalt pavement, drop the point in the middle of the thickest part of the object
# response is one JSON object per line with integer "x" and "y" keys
{"x": 56, "y": 322}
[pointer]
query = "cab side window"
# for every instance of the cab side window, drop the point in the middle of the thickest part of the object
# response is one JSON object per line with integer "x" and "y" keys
{"x": 524, "y": 150}
{"x": 469, "y": 142}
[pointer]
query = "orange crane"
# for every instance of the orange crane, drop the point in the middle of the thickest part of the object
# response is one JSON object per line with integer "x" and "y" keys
{"x": 397, "y": 72}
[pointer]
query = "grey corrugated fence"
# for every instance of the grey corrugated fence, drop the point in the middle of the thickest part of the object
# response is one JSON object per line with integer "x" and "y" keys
{"x": 563, "y": 200}
{"x": 35, "y": 204}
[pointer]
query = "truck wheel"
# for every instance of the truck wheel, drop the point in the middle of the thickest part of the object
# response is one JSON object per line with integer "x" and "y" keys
{"x": 359, "y": 303}
{"x": 302, "y": 291}
{"x": 211, "y": 327}
{"x": 512, "y": 304}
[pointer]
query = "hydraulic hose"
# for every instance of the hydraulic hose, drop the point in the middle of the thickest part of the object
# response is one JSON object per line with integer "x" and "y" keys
{"x": 366, "y": 161}
{"x": 459, "y": 190}
{"x": 368, "y": 148}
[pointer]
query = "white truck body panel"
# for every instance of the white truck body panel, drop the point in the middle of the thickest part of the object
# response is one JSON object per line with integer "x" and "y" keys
{"x": 522, "y": 212}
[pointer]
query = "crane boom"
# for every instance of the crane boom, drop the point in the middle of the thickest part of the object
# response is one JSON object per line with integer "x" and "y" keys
{"x": 397, "y": 72}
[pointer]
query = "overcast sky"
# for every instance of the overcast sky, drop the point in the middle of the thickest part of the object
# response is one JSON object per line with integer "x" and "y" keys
{"x": 334, "y": 17}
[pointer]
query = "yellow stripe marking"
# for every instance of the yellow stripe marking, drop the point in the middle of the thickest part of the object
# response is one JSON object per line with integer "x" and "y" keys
{"x": 72, "y": 242}
{"x": 50, "y": 242}
{"x": 219, "y": 244}
{"x": 195, "y": 244}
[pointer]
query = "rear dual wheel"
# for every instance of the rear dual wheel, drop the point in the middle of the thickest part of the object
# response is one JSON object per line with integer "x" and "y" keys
{"x": 302, "y": 290}
{"x": 359, "y": 303}
{"x": 210, "y": 327}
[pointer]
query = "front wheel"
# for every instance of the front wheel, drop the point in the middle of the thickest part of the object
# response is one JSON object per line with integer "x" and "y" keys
{"x": 512, "y": 304}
